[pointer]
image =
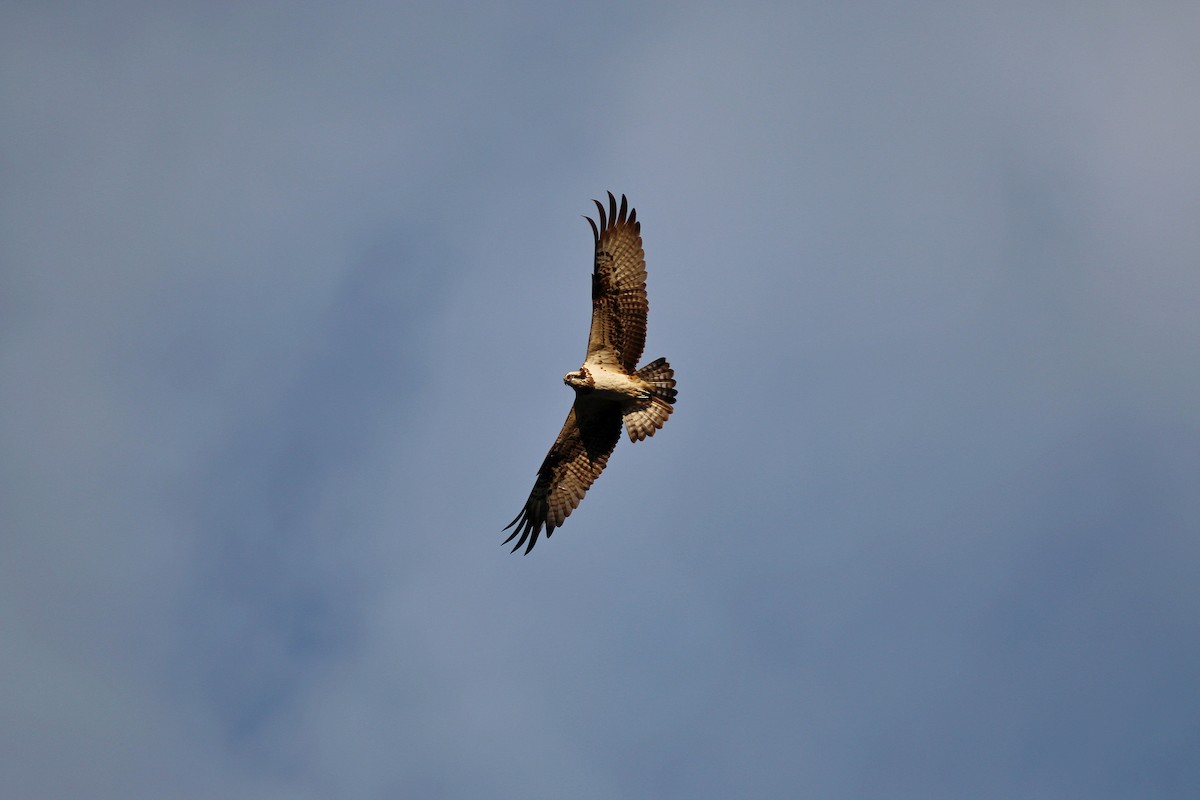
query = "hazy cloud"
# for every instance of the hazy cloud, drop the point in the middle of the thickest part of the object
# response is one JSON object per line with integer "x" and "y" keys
{"x": 285, "y": 300}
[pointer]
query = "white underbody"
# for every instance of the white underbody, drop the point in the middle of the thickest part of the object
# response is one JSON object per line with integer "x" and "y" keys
{"x": 611, "y": 384}
{"x": 616, "y": 384}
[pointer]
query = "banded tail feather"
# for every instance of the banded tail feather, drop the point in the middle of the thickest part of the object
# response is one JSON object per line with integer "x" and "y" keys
{"x": 643, "y": 420}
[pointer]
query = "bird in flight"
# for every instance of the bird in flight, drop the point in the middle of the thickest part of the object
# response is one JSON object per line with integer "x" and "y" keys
{"x": 609, "y": 388}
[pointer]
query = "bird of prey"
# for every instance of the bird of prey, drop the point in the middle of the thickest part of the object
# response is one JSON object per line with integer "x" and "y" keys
{"x": 609, "y": 388}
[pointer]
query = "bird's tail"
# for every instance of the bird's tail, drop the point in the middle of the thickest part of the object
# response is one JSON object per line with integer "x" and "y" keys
{"x": 643, "y": 420}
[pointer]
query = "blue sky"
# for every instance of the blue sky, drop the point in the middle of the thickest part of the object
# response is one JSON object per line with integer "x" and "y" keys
{"x": 286, "y": 296}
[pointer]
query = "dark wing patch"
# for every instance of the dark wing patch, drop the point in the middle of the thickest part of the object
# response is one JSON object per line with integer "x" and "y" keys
{"x": 577, "y": 458}
{"x": 619, "y": 306}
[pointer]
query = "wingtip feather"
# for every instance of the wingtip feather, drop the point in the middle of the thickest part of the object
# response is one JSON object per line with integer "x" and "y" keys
{"x": 615, "y": 214}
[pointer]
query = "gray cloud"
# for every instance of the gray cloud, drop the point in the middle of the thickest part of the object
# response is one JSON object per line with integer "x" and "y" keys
{"x": 284, "y": 307}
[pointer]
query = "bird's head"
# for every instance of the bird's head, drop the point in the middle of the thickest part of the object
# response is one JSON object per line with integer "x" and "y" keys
{"x": 579, "y": 379}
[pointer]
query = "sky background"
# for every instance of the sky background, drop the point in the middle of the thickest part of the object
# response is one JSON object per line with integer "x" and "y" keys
{"x": 286, "y": 297}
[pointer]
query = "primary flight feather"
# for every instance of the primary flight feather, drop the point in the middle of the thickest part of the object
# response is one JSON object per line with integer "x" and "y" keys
{"x": 609, "y": 388}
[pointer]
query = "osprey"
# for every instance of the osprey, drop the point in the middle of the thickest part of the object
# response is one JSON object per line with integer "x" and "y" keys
{"x": 609, "y": 388}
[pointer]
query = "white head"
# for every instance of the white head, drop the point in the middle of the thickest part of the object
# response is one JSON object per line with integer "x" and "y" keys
{"x": 579, "y": 379}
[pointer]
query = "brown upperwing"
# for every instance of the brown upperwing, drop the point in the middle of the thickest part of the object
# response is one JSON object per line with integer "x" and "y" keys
{"x": 619, "y": 305}
{"x": 577, "y": 458}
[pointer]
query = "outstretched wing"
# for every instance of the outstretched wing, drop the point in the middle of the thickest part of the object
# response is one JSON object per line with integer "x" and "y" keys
{"x": 577, "y": 458}
{"x": 619, "y": 304}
